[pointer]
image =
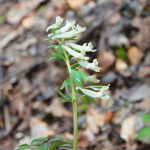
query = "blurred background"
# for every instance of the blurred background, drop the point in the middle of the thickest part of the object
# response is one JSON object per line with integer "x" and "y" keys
{"x": 29, "y": 106}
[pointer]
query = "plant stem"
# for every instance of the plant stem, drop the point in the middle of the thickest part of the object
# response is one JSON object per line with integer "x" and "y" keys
{"x": 74, "y": 103}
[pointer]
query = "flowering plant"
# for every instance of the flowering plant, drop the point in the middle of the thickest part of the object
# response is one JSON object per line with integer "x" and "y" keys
{"x": 74, "y": 82}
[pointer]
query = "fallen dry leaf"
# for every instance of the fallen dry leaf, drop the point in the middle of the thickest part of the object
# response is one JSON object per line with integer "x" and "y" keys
{"x": 108, "y": 116}
{"x": 95, "y": 120}
{"x": 142, "y": 39}
{"x": 39, "y": 129}
{"x": 115, "y": 19}
{"x": 76, "y": 4}
{"x": 59, "y": 111}
{"x": 83, "y": 142}
{"x": 127, "y": 129}
{"x": 105, "y": 59}
{"x": 120, "y": 65}
{"x": 29, "y": 22}
{"x": 144, "y": 71}
{"x": 134, "y": 55}
{"x": 16, "y": 14}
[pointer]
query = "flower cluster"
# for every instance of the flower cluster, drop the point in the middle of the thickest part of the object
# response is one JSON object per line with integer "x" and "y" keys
{"x": 78, "y": 53}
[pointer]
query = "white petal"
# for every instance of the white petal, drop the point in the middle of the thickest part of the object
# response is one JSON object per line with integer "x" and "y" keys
{"x": 58, "y": 23}
{"x": 66, "y": 27}
{"x": 98, "y": 89}
{"x": 99, "y": 94}
{"x": 92, "y": 79}
{"x": 105, "y": 97}
{"x": 79, "y": 47}
{"x": 75, "y": 54}
{"x": 91, "y": 93}
{"x": 65, "y": 35}
{"x": 92, "y": 66}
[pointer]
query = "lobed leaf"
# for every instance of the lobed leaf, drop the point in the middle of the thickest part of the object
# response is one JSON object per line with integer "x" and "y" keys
{"x": 145, "y": 132}
{"x": 61, "y": 93}
{"x": 39, "y": 140}
{"x": 44, "y": 147}
{"x": 146, "y": 118}
{"x": 48, "y": 39}
{"x": 92, "y": 100}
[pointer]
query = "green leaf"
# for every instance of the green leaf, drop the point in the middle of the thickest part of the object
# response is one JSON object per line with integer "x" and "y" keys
{"x": 72, "y": 38}
{"x": 82, "y": 75}
{"x": 52, "y": 46}
{"x": 2, "y": 19}
{"x": 39, "y": 140}
{"x": 63, "y": 143}
{"x": 146, "y": 118}
{"x": 61, "y": 93}
{"x": 145, "y": 132}
{"x": 71, "y": 79}
{"x": 41, "y": 10}
{"x": 77, "y": 81}
{"x": 58, "y": 55}
{"x": 36, "y": 144}
{"x": 75, "y": 66}
{"x": 56, "y": 139}
{"x": 52, "y": 58}
{"x": 70, "y": 147}
{"x": 92, "y": 100}
{"x": 48, "y": 39}
{"x": 44, "y": 147}
{"x": 23, "y": 145}
{"x": 121, "y": 53}
{"x": 63, "y": 100}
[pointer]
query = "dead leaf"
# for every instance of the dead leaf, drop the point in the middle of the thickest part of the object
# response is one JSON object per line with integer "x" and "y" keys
{"x": 120, "y": 65}
{"x": 11, "y": 36}
{"x": 108, "y": 116}
{"x": 29, "y": 22}
{"x": 144, "y": 104}
{"x": 127, "y": 129}
{"x": 16, "y": 14}
{"x": 115, "y": 19}
{"x": 76, "y": 4}
{"x": 39, "y": 129}
{"x": 142, "y": 39}
{"x": 144, "y": 71}
{"x": 67, "y": 135}
{"x": 137, "y": 22}
{"x": 134, "y": 55}
{"x": 95, "y": 120}
{"x": 83, "y": 142}
{"x": 105, "y": 59}
{"x": 59, "y": 111}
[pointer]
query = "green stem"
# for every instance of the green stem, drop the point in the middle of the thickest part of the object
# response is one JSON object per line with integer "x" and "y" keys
{"x": 74, "y": 103}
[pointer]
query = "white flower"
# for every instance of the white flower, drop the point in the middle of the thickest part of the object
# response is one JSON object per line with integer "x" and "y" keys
{"x": 99, "y": 94}
{"x": 92, "y": 79}
{"x": 66, "y": 27}
{"x": 92, "y": 66}
{"x": 58, "y": 23}
{"x": 87, "y": 48}
{"x": 98, "y": 89}
{"x": 75, "y": 30}
{"x": 75, "y": 54}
